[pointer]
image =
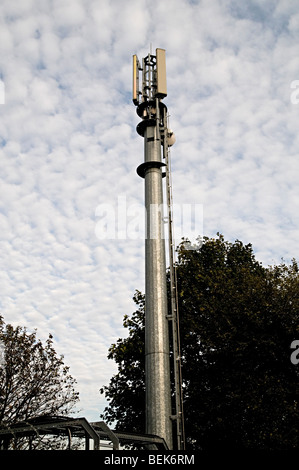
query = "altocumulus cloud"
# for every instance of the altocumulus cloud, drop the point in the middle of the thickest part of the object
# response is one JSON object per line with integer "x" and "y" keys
{"x": 68, "y": 144}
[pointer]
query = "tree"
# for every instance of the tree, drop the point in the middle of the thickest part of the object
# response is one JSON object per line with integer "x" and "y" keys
{"x": 237, "y": 322}
{"x": 33, "y": 380}
{"x": 126, "y": 391}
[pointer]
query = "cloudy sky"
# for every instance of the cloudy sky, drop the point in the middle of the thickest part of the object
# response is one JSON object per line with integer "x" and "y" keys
{"x": 69, "y": 150}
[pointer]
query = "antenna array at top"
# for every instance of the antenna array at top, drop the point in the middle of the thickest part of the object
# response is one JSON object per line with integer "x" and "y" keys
{"x": 153, "y": 84}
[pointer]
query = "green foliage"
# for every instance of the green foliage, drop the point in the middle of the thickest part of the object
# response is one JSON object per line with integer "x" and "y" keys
{"x": 237, "y": 322}
{"x": 126, "y": 390}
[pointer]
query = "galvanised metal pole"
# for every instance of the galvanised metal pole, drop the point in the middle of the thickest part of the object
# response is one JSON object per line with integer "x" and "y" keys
{"x": 157, "y": 360}
{"x": 157, "y": 367}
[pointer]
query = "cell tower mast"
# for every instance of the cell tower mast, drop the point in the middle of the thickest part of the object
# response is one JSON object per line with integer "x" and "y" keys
{"x": 148, "y": 96}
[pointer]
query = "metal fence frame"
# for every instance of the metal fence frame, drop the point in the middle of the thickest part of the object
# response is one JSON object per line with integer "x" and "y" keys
{"x": 77, "y": 427}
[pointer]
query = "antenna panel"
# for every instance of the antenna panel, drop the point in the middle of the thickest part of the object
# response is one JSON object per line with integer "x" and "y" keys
{"x": 161, "y": 73}
{"x": 135, "y": 80}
